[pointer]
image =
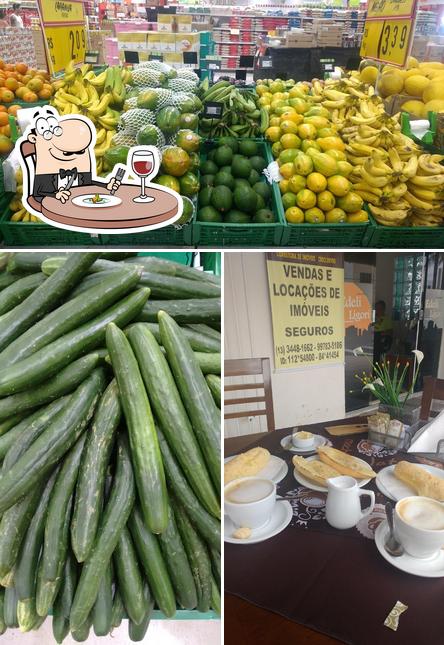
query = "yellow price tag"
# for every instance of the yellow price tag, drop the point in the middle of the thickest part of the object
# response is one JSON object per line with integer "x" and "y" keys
{"x": 62, "y": 11}
{"x": 65, "y": 43}
{"x": 387, "y": 41}
{"x": 390, "y": 8}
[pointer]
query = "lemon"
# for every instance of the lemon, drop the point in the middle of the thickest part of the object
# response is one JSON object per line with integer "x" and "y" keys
{"x": 283, "y": 186}
{"x": 306, "y": 199}
{"x": 357, "y": 217}
{"x": 296, "y": 183}
{"x": 288, "y": 154}
{"x": 276, "y": 149}
{"x": 325, "y": 200}
{"x": 294, "y": 215}
{"x": 316, "y": 182}
{"x": 290, "y": 141}
{"x": 275, "y": 121}
{"x": 287, "y": 170}
{"x": 288, "y": 200}
{"x": 335, "y": 216}
{"x": 314, "y": 216}
{"x": 273, "y": 134}
{"x": 338, "y": 185}
{"x": 288, "y": 127}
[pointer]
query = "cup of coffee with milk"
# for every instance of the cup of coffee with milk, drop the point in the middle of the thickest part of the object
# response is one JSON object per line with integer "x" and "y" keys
{"x": 419, "y": 525}
{"x": 249, "y": 501}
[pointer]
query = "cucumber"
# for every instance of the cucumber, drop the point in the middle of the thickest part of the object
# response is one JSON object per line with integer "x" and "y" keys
{"x": 45, "y": 297}
{"x": 29, "y": 429}
{"x": 155, "y": 264}
{"x": 62, "y": 605}
{"x": 50, "y": 359}
{"x": 154, "y": 566}
{"x": 56, "y": 538}
{"x": 206, "y": 524}
{"x": 2, "y": 604}
{"x": 118, "y": 610}
{"x": 198, "y": 342}
{"x": 25, "y": 576}
{"x": 215, "y": 597}
{"x": 118, "y": 256}
{"x": 6, "y": 279}
{"x": 89, "y": 281}
{"x": 25, "y": 262}
{"x": 215, "y": 387}
{"x": 137, "y": 631}
{"x": 198, "y": 557}
{"x": 11, "y": 422}
{"x": 166, "y": 287}
{"x": 91, "y": 480}
{"x": 200, "y": 406}
{"x": 102, "y": 610}
{"x": 171, "y": 415}
{"x": 205, "y": 330}
{"x": 50, "y": 265}
{"x": 70, "y": 315}
{"x": 10, "y": 608}
{"x": 19, "y": 290}
{"x": 13, "y": 526}
{"x": 177, "y": 563}
{"x": 208, "y": 363}
{"x": 145, "y": 453}
{"x": 129, "y": 577}
{"x": 53, "y": 443}
{"x": 114, "y": 518}
{"x": 81, "y": 634}
{"x": 216, "y": 565}
{"x": 62, "y": 383}
{"x": 183, "y": 311}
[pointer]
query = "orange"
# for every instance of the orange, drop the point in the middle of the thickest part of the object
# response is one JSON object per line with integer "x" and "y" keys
{"x": 4, "y": 119}
{"x": 6, "y": 130}
{"x": 7, "y": 96}
{"x": 6, "y": 144}
{"x": 3, "y": 108}
{"x": 8, "y": 67}
{"x": 21, "y": 68}
{"x": 26, "y": 78}
{"x": 44, "y": 94}
{"x": 35, "y": 84}
{"x": 2, "y": 64}
{"x": 30, "y": 97}
{"x": 11, "y": 84}
{"x": 13, "y": 109}
{"x": 21, "y": 91}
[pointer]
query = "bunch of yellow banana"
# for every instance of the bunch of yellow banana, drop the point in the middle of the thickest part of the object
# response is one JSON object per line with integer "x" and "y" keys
{"x": 19, "y": 213}
{"x": 425, "y": 192}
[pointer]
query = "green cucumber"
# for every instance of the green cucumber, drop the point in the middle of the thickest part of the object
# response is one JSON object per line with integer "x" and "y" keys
{"x": 45, "y": 297}
{"x": 208, "y": 363}
{"x": 145, "y": 453}
{"x": 114, "y": 518}
{"x": 63, "y": 603}
{"x": 215, "y": 597}
{"x": 118, "y": 610}
{"x": 29, "y": 429}
{"x": 10, "y": 608}
{"x": 11, "y": 422}
{"x": 214, "y": 384}
{"x": 198, "y": 342}
{"x": 206, "y": 524}
{"x": 50, "y": 265}
{"x": 19, "y": 291}
{"x": 70, "y": 315}
{"x": 151, "y": 559}
{"x": 13, "y": 526}
{"x": 24, "y": 262}
{"x": 183, "y": 311}
{"x": 198, "y": 557}
{"x": 216, "y": 564}
{"x": 200, "y": 406}
{"x": 103, "y": 606}
{"x": 129, "y": 577}
{"x": 50, "y": 359}
{"x": 91, "y": 480}
{"x": 179, "y": 568}
{"x": 62, "y": 383}
{"x": 155, "y": 264}
{"x": 89, "y": 281}
{"x": 56, "y": 538}
{"x": 171, "y": 415}
{"x": 53, "y": 443}
{"x": 25, "y": 575}
{"x": 137, "y": 631}
{"x": 6, "y": 279}
{"x": 166, "y": 287}
{"x": 2, "y": 604}
{"x": 81, "y": 634}
{"x": 118, "y": 256}
{"x": 205, "y": 330}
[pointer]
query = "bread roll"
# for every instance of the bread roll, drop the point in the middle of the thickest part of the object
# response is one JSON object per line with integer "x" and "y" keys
{"x": 314, "y": 470}
{"x": 422, "y": 482}
{"x": 345, "y": 464}
{"x": 247, "y": 464}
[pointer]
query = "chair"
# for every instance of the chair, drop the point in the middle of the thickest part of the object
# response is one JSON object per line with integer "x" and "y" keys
{"x": 433, "y": 388}
{"x": 250, "y": 367}
{"x": 27, "y": 150}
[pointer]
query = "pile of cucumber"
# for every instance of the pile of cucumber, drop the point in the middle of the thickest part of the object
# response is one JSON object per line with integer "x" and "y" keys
{"x": 109, "y": 441}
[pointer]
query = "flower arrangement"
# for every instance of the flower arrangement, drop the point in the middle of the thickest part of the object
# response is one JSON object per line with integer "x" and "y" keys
{"x": 389, "y": 384}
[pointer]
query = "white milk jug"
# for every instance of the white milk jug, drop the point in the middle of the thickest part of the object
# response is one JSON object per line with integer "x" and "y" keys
{"x": 343, "y": 508}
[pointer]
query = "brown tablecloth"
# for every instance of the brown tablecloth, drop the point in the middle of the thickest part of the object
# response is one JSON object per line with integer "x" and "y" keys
{"x": 335, "y": 581}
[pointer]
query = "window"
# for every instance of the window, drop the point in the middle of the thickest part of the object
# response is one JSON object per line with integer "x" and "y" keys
{"x": 407, "y": 286}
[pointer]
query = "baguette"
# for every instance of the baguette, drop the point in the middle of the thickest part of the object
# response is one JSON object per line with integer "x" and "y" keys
{"x": 422, "y": 482}
{"x": 345, "y": 464}
{"x": 247, "y": 464}
{"x": 314, "y": 470}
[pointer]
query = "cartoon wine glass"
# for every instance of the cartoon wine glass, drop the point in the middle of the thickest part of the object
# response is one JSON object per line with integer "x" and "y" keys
{"x": 143, "y": 164}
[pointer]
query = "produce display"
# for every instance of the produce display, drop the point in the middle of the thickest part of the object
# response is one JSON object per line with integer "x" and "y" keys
{"x": 109, "y": 441}
{"x": 241, "y": 115}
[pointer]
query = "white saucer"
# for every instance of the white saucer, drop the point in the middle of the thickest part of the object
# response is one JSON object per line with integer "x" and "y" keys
{"x": 318, "y": 441}
{"x": 280, "y": 519}
{"x": 276, "y": 469}
{"x": 425, "y": 567}
{"x": 394, "y": 488}
{"x": 83, "y": 200}
{"x": 323, "y": 489}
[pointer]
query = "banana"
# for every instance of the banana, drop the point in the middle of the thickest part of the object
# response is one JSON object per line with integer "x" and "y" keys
{"x": 409, "y": 169}
{"x": 357, "y": 161}
{"x": 388, "y": 214}
{"x": 331, "y": 105}
{"x": 367, "y": 188}
{"x": 369, "y": 141}
{"x": 423, "y": 193}
{"x": 99, "y": 109}
{"x": 69, "y": 98}
{"x": 99, "y": 81}
{"x": 428, "y": 166}
{"x": 99, "y": 151}
{"x": 377, "y": 182}
{"x": 437, "y": 158}
{"x": 394, "y": 192}
{"x": 100, "y": 136}
{"x": 334, "y": 95}
{"x": 360, "y": 149}
{"x": 78, "y": 89}
{"x": 428, "y": 181}
{"x": 358, "y": 119}
{"x": 395, "y": 160}
{"x": 93, "y": 95}
{"x": 368, "y": 197}
{"x": 265, "y": 120}
{"x": 417, "y": 203}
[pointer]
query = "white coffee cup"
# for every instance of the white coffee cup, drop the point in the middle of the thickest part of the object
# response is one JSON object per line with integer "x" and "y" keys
{"x": 419, "y": 525}
{"x": 249, "y": 501}
{"x": 301, "y": 439}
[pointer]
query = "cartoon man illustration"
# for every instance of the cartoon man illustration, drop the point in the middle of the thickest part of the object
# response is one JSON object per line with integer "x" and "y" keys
{"x": 63, "y": 156}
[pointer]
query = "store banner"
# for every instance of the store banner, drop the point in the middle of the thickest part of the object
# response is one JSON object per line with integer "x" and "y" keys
{"x": 65, "y": 34}
{"x": 307, "y": 308}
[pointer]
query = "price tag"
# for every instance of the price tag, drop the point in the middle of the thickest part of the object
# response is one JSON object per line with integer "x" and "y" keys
{"x": 234, "y": 32}
{"x": 215, "y": 65}
{"x": 92, "y": 57}
{"x": 155, "y": 57}
{"x": 131, "y": 57}
{"x": 190, "y": 58}
{"x": 266, "y": 62}
{"x": 241, "y": 74}
{"x": 54, "y": 11}
{"x": 213, "y": 110}
{"x": 387, "y": 41}
{"x": 65, "y": 44}
{"x": 390, "y": 8}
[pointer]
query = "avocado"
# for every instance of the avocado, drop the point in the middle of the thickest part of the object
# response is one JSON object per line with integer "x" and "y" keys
{"x": 205, "y": 196}
{"x": 263, "y": 189}
{"x": 248, "y": 148}
{"x": 241, "y": 167}
{"x": 223, "y": 156}
{"x": 260, "y": 202}
{"x": 207, "y": 180}
{"x": 222, "y": 198}
{"x": 208, "y": 168}
{"x": 229, "y": 141}
{"x": 209, "y": 214}
{"x": 258, "y": 163}
{"x": 237, "y": 217}
{"x": 245, "y": 199}
{"x": 264, "y": 216}
{"x": 238, "y": 182}
{"x": 253, "y": 177}
{"x": 224, "y": 178}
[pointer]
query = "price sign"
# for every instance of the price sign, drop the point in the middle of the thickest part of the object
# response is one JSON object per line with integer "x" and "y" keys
{"x": 390, "y": 8}
{"x": 387, "y": 41}
{"x": 234, "y": 32}
{"x": 155, "y": 57}
{"x": 92, "y": 57}
{"x": 65, "y": 34}
{"x": 213, "y": 110}
{"x": 131, "y": 57}
{"x": 266, "y": 62}
{"x": 215, "y": 65}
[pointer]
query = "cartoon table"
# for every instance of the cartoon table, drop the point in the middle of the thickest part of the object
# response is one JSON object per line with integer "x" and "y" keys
{"x": 127, "y": 214}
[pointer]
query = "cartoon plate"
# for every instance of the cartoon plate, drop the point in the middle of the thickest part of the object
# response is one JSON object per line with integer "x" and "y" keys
{"x": 96, "y": 201}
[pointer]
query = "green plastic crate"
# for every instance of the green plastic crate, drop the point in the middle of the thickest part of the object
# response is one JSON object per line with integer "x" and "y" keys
{"x": 325, "y": 235}
{"x": 218, "y": 234}
{"x": 166, "y": 237}
{"x": 404, "y": 237}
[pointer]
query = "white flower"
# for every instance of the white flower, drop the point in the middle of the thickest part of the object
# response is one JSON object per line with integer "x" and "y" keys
{"x": 371, "y": 386}
{"x": 418, "y": 355}
{"x": 358, "y": 351}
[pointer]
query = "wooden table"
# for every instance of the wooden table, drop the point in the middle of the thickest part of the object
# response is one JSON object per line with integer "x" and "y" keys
{"x": 127, "y": 214}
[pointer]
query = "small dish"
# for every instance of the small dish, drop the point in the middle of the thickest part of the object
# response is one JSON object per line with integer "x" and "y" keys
{"x": 279, "y": 520}
{"x": 323, "y": 489}
{"x": 86, "y": 201}
{"x": 318, "y": 441}
{"x": 302, "y": 440}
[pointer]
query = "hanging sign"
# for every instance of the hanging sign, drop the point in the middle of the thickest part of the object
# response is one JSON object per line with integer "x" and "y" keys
{"x": 65, "y": 34}
{"x": 389, "y": 30}
{"x": 307, "y": 308}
